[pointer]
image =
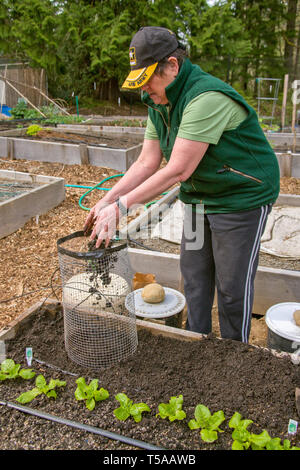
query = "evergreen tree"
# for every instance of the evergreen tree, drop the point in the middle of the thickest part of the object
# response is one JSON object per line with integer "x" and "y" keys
{"x": 290, "y": 38}
{"x": 263, "y": 27}
{"x": 83, "y": 44}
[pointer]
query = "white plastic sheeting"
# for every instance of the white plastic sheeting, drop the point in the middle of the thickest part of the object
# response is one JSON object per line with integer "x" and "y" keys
{"x": 281, "y": 236}
{"x": 170, "y": 228}
{"x": 282, "y": 233}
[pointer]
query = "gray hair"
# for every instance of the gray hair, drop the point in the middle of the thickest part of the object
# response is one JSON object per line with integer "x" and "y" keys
{"x": 180, "y": 54}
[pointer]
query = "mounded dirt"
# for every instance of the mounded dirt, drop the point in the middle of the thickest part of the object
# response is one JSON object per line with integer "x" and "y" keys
{"x": 221, "y": 374}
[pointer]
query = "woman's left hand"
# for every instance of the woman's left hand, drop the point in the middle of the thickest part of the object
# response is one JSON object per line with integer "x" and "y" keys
{"x": 105, "y": 224}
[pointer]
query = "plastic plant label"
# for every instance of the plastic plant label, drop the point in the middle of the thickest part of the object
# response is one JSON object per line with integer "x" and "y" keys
{"x": 292, "y": 428}
{"x": 29, "y": 356}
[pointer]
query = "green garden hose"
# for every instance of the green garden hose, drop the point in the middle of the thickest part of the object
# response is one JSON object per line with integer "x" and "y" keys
{"x": 99, "y": 186}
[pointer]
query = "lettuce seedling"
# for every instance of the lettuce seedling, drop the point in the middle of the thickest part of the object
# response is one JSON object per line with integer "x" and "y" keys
{"x": 275, "y": 444}
{"x": 90, "y": 393}
{"x": 41, "y": 388}
{"x": 208, "y": 423}
{"x": 244, "y": 439}
{"x": 10, "y": 370}
{"x": 172, "y": 410}
{"x": 33, "y": 129}
{"x": 128, "y": 408}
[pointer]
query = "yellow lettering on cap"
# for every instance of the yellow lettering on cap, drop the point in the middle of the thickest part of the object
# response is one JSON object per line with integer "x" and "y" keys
{"x": 141, "y": 80}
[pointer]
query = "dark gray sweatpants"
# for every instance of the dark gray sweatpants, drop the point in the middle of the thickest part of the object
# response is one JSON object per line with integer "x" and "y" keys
{"x": 228, "y": 261}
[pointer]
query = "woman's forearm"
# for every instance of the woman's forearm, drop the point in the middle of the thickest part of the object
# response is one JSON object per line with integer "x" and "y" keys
{"x": 156, "y": 184}
{"x": 135, "y": 176}
{"x": 144, "y": 182}
{"x": 139, "y": 172}
{"x": 185, "y": 158}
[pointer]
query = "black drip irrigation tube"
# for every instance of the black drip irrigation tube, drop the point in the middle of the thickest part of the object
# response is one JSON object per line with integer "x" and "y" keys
{"x": 76, "y": 424}
{"x": 80, "y": 426}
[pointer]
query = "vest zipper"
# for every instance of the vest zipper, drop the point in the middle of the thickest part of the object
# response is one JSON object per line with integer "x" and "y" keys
{"x": 193, "y": 184}
{"x": 228, "y": 168}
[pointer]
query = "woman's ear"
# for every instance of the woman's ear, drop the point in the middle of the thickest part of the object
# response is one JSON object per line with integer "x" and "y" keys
{"x": 173, "y": 63}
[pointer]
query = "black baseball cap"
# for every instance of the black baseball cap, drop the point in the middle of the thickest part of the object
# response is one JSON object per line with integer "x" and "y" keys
{"x": 148, "y": 46}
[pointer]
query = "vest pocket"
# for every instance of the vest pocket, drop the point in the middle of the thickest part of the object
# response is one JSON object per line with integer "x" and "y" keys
{"x": 240, "y": 173}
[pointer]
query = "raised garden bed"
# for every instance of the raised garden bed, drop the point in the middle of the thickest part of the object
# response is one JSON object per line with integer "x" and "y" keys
{"x": 220, "y": 374}
{"x": 50, "y": 145}
{"x": 36, "y": 257}
{"x": 26, "y": 195}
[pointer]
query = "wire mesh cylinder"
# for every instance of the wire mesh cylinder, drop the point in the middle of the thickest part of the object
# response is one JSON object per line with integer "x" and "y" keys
{"x": 99, "y": 331}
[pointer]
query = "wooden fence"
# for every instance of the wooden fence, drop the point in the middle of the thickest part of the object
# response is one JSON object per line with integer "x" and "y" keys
{"x": 24, "y": 79}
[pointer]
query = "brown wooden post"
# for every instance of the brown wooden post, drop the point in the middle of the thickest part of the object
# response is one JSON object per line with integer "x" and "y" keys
{"x": 84, "y": 154}
{"x": 10, "y": 149}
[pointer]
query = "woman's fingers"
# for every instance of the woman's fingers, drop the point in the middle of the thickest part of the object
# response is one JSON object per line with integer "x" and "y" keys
{"x": 105, "y": 225}
{"x": 94, "y": 213}
{"x": 89, "y": 221}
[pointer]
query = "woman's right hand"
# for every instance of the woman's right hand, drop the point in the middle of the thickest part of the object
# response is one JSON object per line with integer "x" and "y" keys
{"x": 93, "y": 214}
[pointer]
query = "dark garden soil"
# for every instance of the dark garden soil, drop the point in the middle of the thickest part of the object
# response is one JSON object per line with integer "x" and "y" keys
{"x": 221, "y": 374}
{"x": 110, "y": 141}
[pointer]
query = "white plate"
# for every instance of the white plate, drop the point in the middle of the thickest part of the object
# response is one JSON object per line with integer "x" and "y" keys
{"x": 173, "y": 303}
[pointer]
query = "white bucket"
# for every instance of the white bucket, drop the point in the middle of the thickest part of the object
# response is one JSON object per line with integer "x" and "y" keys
{"x": 283, "y": 333}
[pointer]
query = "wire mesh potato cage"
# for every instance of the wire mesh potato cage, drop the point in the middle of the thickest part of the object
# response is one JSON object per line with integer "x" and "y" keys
{"x": 98, "y": 330}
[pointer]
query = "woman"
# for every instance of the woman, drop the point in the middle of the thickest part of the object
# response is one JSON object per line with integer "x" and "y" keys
{"x": 228, "y": 175}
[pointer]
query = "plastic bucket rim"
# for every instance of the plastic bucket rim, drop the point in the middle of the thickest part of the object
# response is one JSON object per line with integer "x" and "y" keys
{"x": 275, "y": 330}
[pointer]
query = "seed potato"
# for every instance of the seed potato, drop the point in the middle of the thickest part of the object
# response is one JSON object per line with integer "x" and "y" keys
{"x": 297, "y": 317}
{"x": 153, "y": 293}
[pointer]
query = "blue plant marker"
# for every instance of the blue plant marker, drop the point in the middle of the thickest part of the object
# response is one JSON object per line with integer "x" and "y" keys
{"x": 292, "y": 427}
{"x": 29, "y": 356}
